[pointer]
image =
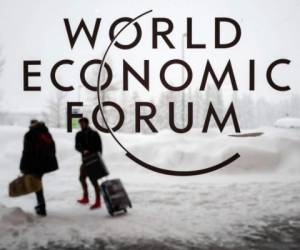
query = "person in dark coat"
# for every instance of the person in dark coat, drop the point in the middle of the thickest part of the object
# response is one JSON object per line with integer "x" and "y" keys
{"x": 38, "y": 157}
{"x": 87, "y": 142}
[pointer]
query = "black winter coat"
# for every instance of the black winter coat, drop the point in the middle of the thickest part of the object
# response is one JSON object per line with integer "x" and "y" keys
{"x": 38, "y": 155}
{"x": 88, "y": 139}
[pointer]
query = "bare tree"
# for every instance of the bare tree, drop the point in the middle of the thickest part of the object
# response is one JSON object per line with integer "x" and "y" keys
{"x": 105, "y": 95}
{"x": 213, "y": 96}
{"x": 162, "y": 104}
{"x": 2, "y": 61}
{"x": 109, "y": 94}
{"x": 56, "y": 110}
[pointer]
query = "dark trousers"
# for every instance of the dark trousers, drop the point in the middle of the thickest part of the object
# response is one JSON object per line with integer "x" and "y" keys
{"x": 82, "y": 178}
{"x": 40, "y": 195}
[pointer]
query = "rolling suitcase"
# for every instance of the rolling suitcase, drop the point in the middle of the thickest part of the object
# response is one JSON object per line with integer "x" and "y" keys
{"x": 115, "y": 196}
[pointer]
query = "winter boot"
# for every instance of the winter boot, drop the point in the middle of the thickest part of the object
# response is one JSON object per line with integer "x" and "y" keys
{"x": 97, "y": 203}
{"x": 41, "y": 210}
{"x": 84, "y": 200}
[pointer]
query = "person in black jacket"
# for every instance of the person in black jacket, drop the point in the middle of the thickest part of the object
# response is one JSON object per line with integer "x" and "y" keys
{"x": 88, "y": 142}
{"x": 38, "y": 157}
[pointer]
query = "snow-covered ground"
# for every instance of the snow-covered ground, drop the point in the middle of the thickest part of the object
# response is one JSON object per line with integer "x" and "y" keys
{"x": 252, "y": 204}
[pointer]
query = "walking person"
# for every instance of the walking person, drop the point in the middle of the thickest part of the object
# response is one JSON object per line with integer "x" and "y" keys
{"x": 38, "y": 158}
{"x": 88, "y": 143}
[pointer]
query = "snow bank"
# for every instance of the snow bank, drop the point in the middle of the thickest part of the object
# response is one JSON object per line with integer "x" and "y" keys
{"x": 13, "y": 216}
{"x": 197, "y": 210}
{"x": 277, "y": 150}
{"x": 288, "y": 123}
{"x": 12, "y": 221}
